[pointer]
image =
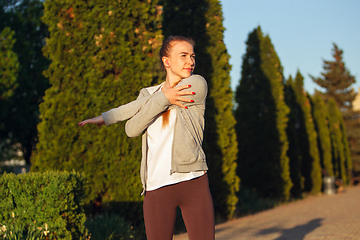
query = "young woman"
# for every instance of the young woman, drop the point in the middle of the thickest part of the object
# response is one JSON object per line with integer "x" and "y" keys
{"x": 173, "y": 170}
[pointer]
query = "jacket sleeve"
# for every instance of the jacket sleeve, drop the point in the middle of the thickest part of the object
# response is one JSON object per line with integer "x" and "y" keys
{"x": 199, "y": 86}
{"x": 153, "y": 106}
{"x": 125, "y": 111}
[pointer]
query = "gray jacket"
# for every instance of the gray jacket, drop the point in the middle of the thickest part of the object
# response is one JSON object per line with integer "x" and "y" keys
{"x": 187, "y": 152}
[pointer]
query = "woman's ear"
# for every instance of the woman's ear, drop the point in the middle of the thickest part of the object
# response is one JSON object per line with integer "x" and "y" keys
{"x": 165, "y": 61}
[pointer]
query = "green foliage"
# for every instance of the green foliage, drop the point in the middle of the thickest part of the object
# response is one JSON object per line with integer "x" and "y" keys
{"x": 17, "y": 230}
{"x": 102, "y": 54}
{"x": 9, "y": 65}
{"x": 336, "y": 81}
{"x": 339, "y": 151}
{"x": 321, "y": 116}
{"x": 261, "y": 121}
{"x": 52, "y": 199}
{"x": 109, "y": 227}
{"x": 22, "y": 109}
{"x": 202, "y": 21}
{"x": 251, "y": 202}
{"x": 347, "y": 152}
{"x": 292, "y": 132}
{"x": 310, "y": 158}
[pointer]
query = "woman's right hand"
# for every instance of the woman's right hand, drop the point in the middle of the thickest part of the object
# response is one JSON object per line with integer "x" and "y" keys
{"x": 96, "y": 120}
{"x": 174, "y": 95}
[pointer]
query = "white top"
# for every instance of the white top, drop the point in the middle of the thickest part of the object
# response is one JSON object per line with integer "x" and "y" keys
{"x": 160, "y": 141}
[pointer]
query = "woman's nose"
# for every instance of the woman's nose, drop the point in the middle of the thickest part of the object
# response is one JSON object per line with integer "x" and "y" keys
{"x": 191, "y": 61}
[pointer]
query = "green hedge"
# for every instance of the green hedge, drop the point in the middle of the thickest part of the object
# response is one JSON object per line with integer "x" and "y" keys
{"x": 51, "y": 199}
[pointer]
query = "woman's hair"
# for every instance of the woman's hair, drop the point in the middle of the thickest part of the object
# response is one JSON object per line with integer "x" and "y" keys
{"x": 164, "y": 52}
{"x": 166, "y": 46}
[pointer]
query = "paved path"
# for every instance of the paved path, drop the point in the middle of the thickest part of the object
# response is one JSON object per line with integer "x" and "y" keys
{"x": 330, "y": 217}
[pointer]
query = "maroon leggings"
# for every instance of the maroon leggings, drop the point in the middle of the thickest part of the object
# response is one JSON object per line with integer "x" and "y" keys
{"x": 194, "y": 199}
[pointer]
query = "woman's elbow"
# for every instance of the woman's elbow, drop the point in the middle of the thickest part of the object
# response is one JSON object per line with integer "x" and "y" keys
{"x": 131, "y": 131}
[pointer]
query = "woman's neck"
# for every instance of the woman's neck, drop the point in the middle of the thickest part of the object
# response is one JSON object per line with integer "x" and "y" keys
{"x": 172, "y": 81}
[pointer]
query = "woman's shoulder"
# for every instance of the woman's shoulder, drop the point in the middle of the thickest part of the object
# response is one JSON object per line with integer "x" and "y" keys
{"x": 194, "y": 79}
{"x": 151, "y": 90}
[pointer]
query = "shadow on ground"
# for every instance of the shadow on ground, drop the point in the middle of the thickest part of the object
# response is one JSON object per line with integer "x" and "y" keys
{"x": 295, "y": 233}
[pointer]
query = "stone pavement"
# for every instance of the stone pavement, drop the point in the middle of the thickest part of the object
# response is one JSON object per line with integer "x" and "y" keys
{"x": 330, "y": 217}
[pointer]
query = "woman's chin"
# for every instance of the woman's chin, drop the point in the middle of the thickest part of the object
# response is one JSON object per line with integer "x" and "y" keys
{"x": 186, "y": 75}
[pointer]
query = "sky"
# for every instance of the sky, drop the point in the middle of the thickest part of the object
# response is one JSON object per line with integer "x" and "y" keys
{"x": 302, "y": 32}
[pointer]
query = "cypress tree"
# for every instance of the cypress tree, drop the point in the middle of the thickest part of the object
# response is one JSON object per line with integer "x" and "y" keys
{"x": 336, "y": 81}
{"x": 310, "y": 162}
{"x": 102, "y": 53}
{"x": 202, "y": 21}
{"x": 339, "y": 151}
{"x": 262, "y": 119}
{"x": 347, "y": 151}
{"x": 292, "y": 132}
{"x": 321, "y": 116}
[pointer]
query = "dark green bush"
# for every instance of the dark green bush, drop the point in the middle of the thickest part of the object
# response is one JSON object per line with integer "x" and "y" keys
{"x": 251, "y": 202}
{"x": 51, "y": 198}
{"x": 109, "y": 227}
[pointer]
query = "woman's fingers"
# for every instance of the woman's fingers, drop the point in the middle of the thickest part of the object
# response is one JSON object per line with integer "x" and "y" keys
{"x": 83, "y": 123}
{"x": 184, "y": 99}
{"x": 180, "y": 105}
{"x": 183, "y": 93}
{"x": 175, "y": 94}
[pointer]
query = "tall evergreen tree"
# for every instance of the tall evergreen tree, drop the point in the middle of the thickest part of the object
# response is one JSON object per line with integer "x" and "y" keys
{"x": 347, "y": 152}
{"x": 102, "y": 54}
{"x": 339, "y": 150}
{"x": 262, "y": 119}
{"x": 337, "y": 83}
{"x": 321, "y": 120}
{"x": 292, "y": 132}
{"x": 310, "y": 158}
{"x": 22, "y": 110}
{"x": 202, "y": 21}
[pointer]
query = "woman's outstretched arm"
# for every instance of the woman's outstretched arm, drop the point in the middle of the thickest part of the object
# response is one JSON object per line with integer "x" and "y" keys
{"x": 118, "y": 114}
{"x": 173, "y": 95}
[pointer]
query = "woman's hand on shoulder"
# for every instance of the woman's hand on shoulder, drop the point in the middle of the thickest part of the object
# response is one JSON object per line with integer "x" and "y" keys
{"x": 198, "y": 86}
{"x": 96, "y": 120}
{"x": 175, "y": 94}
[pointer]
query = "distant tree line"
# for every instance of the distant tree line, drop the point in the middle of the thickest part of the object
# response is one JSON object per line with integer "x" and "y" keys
{"x": 288, "y": 140}
{"x": 20, "y": 111}
{"x": 64, "y": 61}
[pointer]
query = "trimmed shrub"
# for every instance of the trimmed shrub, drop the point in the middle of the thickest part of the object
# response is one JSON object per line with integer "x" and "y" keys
{"x": 102, "y": 53}
{"x": 53, "y": 199}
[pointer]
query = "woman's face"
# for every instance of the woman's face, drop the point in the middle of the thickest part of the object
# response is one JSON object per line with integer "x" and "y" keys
{"x": 181, "y": 60}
